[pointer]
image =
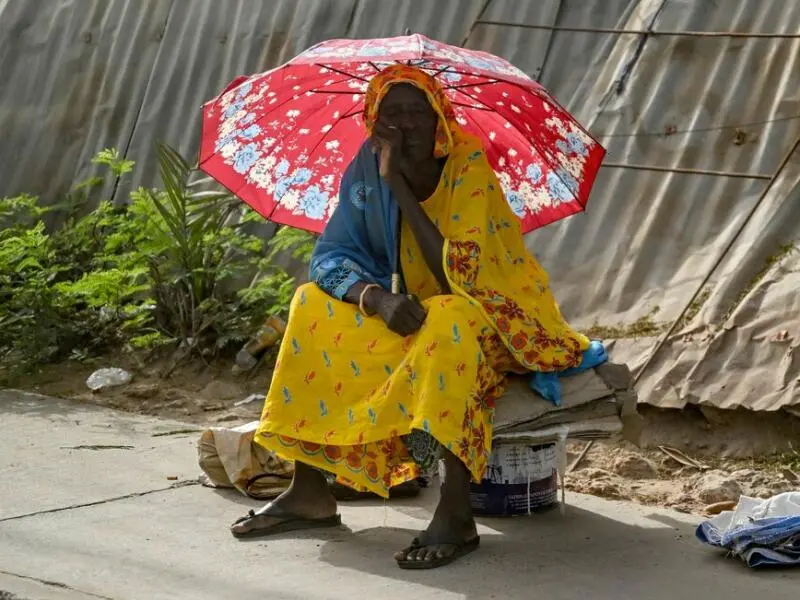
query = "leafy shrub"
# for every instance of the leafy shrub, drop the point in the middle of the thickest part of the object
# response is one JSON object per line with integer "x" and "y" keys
{"x": 164, "y": 269}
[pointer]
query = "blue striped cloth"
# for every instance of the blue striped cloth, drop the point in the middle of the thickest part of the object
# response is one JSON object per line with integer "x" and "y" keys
{"x": 761, "y": 533}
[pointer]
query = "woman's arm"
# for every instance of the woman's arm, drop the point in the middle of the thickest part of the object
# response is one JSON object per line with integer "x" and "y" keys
{"x": 428, "y": 236}
{"x": 388, "y": 141}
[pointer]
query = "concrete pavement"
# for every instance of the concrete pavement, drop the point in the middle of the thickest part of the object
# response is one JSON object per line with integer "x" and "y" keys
{"x": 87, "y": 511}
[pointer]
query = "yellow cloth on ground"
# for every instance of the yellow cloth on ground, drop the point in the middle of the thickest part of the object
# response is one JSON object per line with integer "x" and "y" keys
{"x": 345, "y": 388}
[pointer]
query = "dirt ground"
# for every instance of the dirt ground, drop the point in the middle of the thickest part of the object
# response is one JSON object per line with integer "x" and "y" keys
{"x": 680, "y": 468}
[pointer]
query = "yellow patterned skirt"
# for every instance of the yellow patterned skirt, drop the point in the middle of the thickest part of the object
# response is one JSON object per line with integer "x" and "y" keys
{"x": 346, "y": 389}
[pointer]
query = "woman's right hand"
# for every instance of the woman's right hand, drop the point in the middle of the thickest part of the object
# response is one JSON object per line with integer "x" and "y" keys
{"x": 387, "y": 141}
{"x": 404, "y": 315}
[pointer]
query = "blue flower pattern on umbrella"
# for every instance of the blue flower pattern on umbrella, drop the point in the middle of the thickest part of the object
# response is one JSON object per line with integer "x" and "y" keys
{"x": 516, "y": 202}
{"x": 225, "y": 140}
{"x": 373, "y": 51}
{"x": 568, "y": 180}
{"x": 576, "y": 144}
{"x": 572, "y": 144}
{"x": 299, "y": 177}
{"x": 243, "y": 90}
{"x": 449, "y": 77}
{"x": 252, "y": 132}
{"x": 559, "y": 191}
{"x": 245, "y": 158}
{"x": 314, "y": 203}
{"x": 534, "y": 173}
{"x": 234, "y": 108}
{"x": 282, "y": 168}
{"x": 282, "y": 187}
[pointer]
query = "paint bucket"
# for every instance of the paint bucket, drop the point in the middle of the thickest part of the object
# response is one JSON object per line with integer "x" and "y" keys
{"x": 518, "y": 481}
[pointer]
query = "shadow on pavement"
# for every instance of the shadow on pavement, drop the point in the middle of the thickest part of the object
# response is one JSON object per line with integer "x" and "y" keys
{"x": 577, "y": 553}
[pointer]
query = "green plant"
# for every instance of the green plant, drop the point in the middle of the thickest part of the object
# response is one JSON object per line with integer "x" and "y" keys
{"x": 179, "y": 264}
{"x": 271, "y": 284}
{"x": 297, "y": 243}
{"x": 61, "y": 290}
{"x": 198, "y": 252}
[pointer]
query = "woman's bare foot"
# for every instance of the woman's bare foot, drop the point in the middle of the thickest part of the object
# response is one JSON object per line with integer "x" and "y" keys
{"x": 306, "y": 504}
{"x": 452, "y": 532}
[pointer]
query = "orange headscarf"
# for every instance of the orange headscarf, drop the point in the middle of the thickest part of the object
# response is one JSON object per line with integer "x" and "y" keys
{"x": 446, "y": 130}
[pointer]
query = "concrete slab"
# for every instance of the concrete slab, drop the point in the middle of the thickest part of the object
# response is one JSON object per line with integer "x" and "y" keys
{"x": 175, "y": 544}
{"x": 13, "y": 587}
{"x": 56, "y": 453}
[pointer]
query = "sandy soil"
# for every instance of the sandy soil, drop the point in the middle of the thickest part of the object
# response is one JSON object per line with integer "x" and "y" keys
{"x": 689, "y": 480}
{"x": 618, "y": 470}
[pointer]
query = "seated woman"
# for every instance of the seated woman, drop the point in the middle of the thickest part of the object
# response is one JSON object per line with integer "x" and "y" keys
{"x": 373, "y": 386}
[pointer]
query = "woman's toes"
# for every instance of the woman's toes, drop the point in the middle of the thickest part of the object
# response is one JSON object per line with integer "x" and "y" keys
{"x": 432, "y": 554}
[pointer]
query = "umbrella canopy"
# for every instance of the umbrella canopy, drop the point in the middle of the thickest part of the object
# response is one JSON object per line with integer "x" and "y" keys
{"x": 281, "y": 140}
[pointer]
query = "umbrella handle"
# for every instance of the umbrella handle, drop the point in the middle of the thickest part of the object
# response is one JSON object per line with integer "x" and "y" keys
{"x": 397, "y": 246}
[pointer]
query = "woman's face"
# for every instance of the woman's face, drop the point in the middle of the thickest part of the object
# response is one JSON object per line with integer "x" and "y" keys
{"x": 406, "y": 107}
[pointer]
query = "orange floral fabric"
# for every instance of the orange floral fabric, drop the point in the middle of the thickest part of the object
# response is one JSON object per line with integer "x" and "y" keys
{"x": 379, "y": 87}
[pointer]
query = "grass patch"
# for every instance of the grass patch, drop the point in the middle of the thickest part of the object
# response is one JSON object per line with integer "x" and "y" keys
{"x": 645, "y": 326}
{"x": 772, "y": 260}
{"x": 694, "y": 308}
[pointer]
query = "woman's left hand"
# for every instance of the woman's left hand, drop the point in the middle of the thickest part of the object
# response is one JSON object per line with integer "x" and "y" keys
{"x": 388, "y": 141}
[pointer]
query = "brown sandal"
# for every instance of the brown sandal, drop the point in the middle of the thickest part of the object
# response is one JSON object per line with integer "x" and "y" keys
{"x": 460, "y": 549}
{"x": 288, "y": 523}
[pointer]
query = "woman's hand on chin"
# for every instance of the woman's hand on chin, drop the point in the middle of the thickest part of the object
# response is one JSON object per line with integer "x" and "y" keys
{"x": 387, "y": 141}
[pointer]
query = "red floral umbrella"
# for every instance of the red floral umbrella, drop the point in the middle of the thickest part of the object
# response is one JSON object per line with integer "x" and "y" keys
{"x": 281, "y": 140}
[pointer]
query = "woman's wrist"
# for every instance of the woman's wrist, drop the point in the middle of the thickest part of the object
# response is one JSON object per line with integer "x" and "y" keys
{"x": 372, "y": 299}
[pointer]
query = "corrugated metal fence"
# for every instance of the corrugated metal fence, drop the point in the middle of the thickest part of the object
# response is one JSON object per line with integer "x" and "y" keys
{"x": 700, "y": 188}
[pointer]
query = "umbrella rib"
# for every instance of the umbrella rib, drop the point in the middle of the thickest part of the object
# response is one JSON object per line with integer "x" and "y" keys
{"x": 549, "y": 98}
{"x": 479, "y": 101}
{"x": 468, "y": 85}
{"x": 471, "y": 106}
{"x": 284, "y": 103}
{"x": 479, "y": 126}
{"x": 442, "y": 70}
{"x": 262, "y": 119}
{"x": 340, "y": 92}
{"x": 532, "y": 143}
{"x": 519, "y": 131}
{"x": 277, "y": 134}
{"x": 345, "y": 73}
{"x": 339, "y": 120}
{"x": 327, "y": 91}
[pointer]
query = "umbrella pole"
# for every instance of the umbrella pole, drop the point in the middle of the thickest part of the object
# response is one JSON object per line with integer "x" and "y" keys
{"x": 396, "y": 274}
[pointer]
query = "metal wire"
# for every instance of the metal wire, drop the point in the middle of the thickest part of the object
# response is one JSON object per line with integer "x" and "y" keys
{"x": 718, "y": 262}
{"x": 475, "y": 22}
{"x": 687, "y": 171}
{"x": 698, "y": 130}
{"x": 661, "y": 33}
